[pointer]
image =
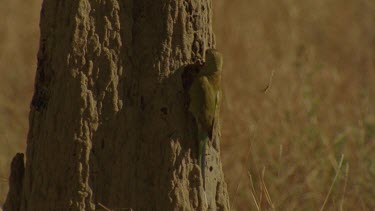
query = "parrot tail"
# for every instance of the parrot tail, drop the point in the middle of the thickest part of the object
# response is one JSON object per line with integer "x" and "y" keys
{"x": 203, "y": 140}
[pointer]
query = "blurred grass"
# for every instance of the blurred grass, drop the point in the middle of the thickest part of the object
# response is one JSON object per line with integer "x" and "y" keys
{"x": 19, "y": 35}
{"x": 319, "y": 106}
{"x": 281, "y": 148}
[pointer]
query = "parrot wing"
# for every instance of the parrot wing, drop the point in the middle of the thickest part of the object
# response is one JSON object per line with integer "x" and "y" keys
{"x": 203, "y": 103}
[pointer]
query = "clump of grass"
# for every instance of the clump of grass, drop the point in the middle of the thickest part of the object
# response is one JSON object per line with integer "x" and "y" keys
{"x": 263, "y": 192}
{"x": 333, "y": 183}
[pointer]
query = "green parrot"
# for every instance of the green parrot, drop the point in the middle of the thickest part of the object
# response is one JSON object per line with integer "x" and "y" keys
{"x": 205, "y": 98}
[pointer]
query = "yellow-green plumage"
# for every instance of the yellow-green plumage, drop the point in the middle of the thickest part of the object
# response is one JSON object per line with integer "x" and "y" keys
{"x": 205, "y": 98}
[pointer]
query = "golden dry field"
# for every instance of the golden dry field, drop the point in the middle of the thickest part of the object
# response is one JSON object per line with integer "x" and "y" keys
{"x": 298, "y": 119}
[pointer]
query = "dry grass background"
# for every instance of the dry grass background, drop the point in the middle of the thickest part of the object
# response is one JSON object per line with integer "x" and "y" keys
{"x": 19, "y": 35}
{"x": 306, "y": 143}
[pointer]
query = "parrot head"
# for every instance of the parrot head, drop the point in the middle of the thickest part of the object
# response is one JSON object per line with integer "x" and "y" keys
{"x": 214, "y": 61}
